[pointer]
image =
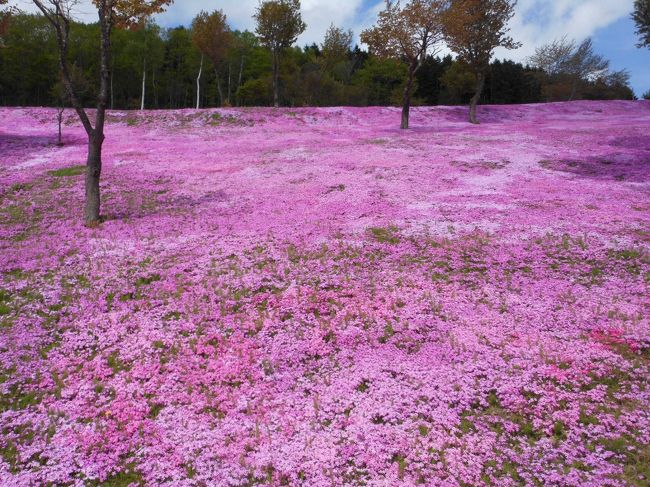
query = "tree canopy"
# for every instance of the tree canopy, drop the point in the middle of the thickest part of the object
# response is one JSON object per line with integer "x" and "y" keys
{"x": 409, "y": 33}
{"x": 4, "y": 20}
{"x": 474, "y": 29}
{"x": 569, "y": 68}
{"x": 211, "y": 35}
{"x": 641, "y": 17}
{"x": 279, "y": 23}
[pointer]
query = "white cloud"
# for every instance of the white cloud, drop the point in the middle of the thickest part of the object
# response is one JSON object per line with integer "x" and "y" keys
{"x": 318, "y": 14}
{"x": 536, "y": 21}
{"x": 540, "y": 21}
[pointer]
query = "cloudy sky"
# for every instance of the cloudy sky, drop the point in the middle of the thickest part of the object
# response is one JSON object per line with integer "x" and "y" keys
{"x": 536, "y": 22}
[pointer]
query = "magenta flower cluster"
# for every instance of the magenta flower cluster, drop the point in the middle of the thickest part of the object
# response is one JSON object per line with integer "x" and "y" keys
{"x": 314, "y": 297}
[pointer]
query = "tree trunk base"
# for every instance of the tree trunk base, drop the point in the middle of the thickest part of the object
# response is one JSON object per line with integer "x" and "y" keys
{"x": 92, "y": 216}
{"x": 94, "y": 224}
{"x": 480, "y": 83}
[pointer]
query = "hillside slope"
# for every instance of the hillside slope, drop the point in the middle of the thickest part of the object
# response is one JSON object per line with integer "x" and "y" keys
{"x": 314, "y": 297}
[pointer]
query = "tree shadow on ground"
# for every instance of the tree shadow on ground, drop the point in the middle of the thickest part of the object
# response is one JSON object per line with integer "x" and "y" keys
{"x": 614, "y": 166}
{"x": 135, "y": 205}
{"x": 637, "y": 142}
{"x": 14, "y": 147}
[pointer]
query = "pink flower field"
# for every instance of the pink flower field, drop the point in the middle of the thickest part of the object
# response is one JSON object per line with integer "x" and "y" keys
{"x": 314, "y": 297}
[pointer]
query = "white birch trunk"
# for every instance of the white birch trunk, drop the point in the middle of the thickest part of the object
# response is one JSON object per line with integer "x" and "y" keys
{"x": 144, "y": 84}
{"x": 198, "y": 85}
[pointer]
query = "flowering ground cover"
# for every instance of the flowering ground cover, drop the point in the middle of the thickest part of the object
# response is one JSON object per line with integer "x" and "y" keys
{"x": 314, "y": 297}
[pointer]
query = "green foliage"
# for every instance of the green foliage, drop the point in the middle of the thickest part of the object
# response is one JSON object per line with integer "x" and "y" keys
{"x": 28, "y": 62}
{"x": 255, "y": 92}
{"x": 332, "y": 74}
{"x": 381, "y": 81}
{"x": 279, "y": 23}
{"x": 336, "y": 46}
{"x": 568, "y": 70}
{"x": 211, "y": 35}
{"x": 641, "y": 17}
{"x": 459, "y": 83}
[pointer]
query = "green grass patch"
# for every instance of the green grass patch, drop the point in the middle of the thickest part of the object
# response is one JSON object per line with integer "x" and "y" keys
{"x": 146, "y": 281}
{"x": 332, "y": 189}
{"x": 116, "y": 364}
{"x": 68, "y": 172}
{"x": 9, "y": 454}
{"x": 388, "y": 235}
{"x": 5, "y": 297}
{"x": 17, "y": 399}
{"x": 19, "y": 187}
{"x": 13, "y": 214}
{"x": 389, "y": 332}
{"x": 363, "y": 386}
{"x": 634, "y": 457}
{"x": 122, "y": 479}
{"x": 402, "y": 465}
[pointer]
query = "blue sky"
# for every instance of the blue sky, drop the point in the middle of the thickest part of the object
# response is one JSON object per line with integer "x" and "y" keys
{"x": 536, "y": 22}
{"x": 617, "y": 43}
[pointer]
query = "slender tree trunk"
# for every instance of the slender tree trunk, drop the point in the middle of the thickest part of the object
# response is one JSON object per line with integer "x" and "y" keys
{"x": 229, "y": 85}
{"x": 112, "y": 99}
{"x": 60, "y": 120}
{"x": 574, "y": 89}
{"x": 276, "y": 79}
{"x": 198, "y": 84}
{"x": 480, "y": 83}
{"x": 144, "y": 83}
{"x": 155, "y": 88}
{"x": 406, "y": 100}
{"x": 241, "y": 71}
{"x": 219, "y": 90}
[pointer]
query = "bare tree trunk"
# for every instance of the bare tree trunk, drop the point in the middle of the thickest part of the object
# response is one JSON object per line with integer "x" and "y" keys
{"x": 241, "y": 71}
{"x": 406, "y": 100}
{"x": 61, "y": 23}
{"x": 144, "y": 83}
{"x": 276, "y": 79}
{"x": 112, "y": 98}
{"x": 229, "y": 85}
{"x": 574, "y": 89}
{"x": 155, "y": 88}
{"x": 93, "y": 174}
{"x": 219, "y": 89}
{"x": 96, "y": 137}
{"x": 480, "y": 83}
{"x": 59, "y": 118}
{"x": 198, "y": 84}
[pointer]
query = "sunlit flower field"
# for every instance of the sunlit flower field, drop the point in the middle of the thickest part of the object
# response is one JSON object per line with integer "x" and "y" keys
{"x": 314, "y": 297}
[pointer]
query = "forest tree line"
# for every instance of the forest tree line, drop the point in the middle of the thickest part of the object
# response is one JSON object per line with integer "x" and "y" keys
{"x": 164, "y": 64}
